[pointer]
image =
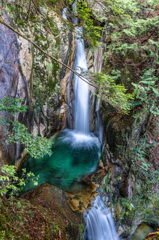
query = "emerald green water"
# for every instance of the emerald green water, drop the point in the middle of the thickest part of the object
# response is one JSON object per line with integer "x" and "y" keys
{"x": 74, "y": 155}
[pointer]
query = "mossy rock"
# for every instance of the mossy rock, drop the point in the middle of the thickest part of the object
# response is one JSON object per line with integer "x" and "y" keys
{"x": 41, "y": 214}
{"x": 141, "y": 232}
{"x": 52, "y": 202}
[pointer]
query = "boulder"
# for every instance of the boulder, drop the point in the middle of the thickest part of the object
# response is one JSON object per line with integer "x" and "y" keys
{"x": 52, "y": 202}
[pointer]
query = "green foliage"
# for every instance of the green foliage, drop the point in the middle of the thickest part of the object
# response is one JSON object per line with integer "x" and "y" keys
{"x": 135, "y": 154}
{"x": 92, "y": 33}
{"x": 11, "y": 184}
{"x": 141, "y": 26}
{"x": 36, "y": 146}
{"x": 147, "y": 91}
{"x": 12, "y": 105}
{"x": 108, "y": 185}
{"x": 112, "y": 93}
{"x": 145, "y": 176}
{"x": 132, "y": 46}
{"x": 44, "y": 83}
{"x": 123, "y": 10}
{"x": 81, "y": 230}
{"x": 128, "y": 209}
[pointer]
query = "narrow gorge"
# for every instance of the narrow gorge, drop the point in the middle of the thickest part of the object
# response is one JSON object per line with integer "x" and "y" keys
{"x": 79, "y": 147}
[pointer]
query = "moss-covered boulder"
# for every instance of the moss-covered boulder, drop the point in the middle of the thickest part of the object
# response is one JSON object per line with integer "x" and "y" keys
{"x": 53, "y": 204}
{"x": 42, "y": 213}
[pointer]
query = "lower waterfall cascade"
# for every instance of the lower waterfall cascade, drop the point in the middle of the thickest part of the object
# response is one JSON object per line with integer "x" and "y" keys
{"x": 99, "y": 222}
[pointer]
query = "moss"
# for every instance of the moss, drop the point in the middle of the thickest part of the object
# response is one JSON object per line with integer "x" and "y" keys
{"x": 46, "y": 211}
{"x": 81, "y": 230}
{"x": 73, "y": 231}
{"x": 52, "y": 202}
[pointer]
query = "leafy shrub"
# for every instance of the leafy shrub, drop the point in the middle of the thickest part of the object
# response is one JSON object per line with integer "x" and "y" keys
{"x": 11, "y": 184}
{"x": 36, "y": 146}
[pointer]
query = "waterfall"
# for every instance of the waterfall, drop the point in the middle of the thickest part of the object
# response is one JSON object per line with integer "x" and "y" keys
{"x": 99, "y": 122}
{"x": 81, "y": 88}
{"x": 64, "y": 13}
{"x": 99, "y": 222}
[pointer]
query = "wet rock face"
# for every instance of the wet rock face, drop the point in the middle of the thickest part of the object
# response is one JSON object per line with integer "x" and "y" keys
{"x": 15, "y": 71}
{"x": 8, "y": 63}
{"x": 12, "y": 84}
{"x": 12, "y": 80}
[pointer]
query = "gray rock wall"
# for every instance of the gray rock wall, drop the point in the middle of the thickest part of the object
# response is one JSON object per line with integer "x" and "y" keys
{"x": 12, "y": 84}
{"x": 15, "y": 71}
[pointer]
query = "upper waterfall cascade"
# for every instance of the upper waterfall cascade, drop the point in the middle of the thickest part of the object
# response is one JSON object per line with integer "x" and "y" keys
{"x": 81, "y": 88}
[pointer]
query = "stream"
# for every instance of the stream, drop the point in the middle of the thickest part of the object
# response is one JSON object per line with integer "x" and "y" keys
{"x": 76, "y": 152}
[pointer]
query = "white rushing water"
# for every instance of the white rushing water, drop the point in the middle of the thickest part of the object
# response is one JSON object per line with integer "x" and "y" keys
{"x": 99, "y": 122}
{"x": 81, "y": 88}
{"x": 78, "y": 139}
{"x": 81, "y": 91}
{"x": 64, "y": 13}
{"x": 99, "y": 222}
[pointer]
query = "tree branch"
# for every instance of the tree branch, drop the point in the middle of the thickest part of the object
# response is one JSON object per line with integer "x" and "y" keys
{"x": 40, "y": 49}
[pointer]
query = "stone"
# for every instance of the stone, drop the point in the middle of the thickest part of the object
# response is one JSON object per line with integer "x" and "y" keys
{"x": 12, "y": 84}
{"x": 52, "y": 202}
{"x": 141, "y": 232}
{"x": 82, "y": 200}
